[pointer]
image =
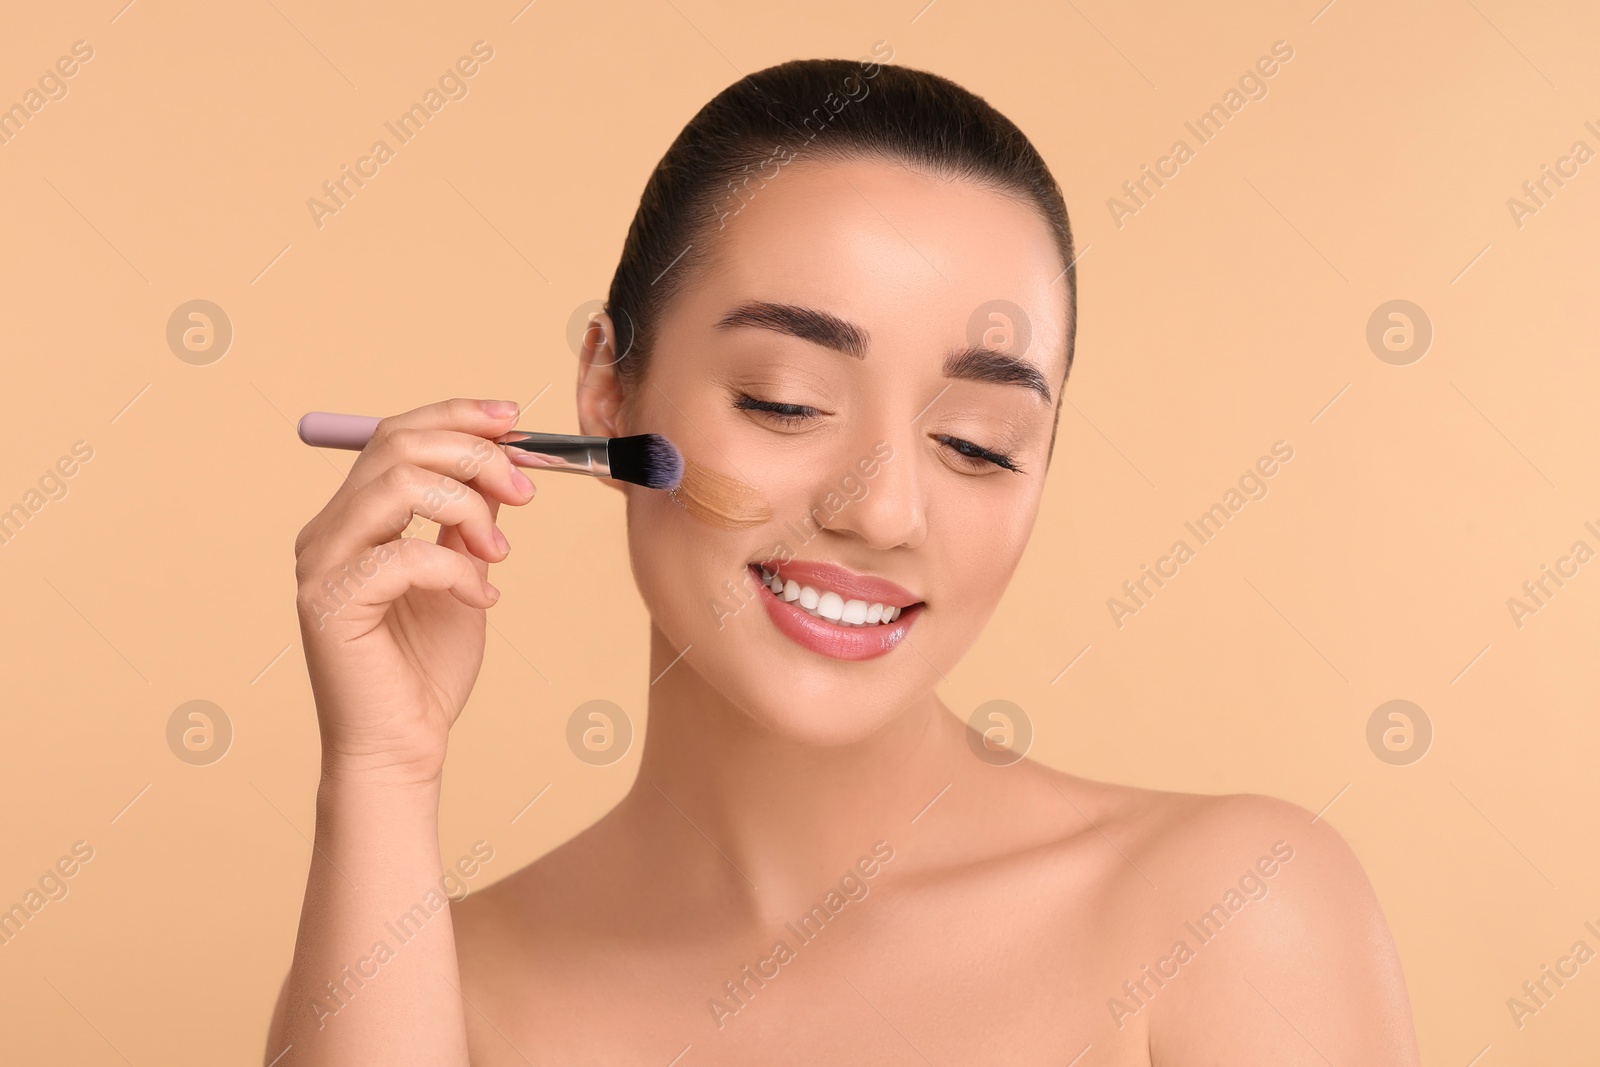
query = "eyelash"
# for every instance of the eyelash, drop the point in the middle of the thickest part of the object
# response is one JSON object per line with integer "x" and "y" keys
{"x": 784, "y": 414}
{"x": 795, "y": 414}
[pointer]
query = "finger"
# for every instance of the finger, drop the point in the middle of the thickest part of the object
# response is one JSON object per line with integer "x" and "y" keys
{"x": 477, "y": 461}
{"x": 486, "y": 418}
{"x": 381, "y": 511}
{"x": 481, "y": 418}
{"x": 450, "y": 537}
{"x": 381, "y": 574}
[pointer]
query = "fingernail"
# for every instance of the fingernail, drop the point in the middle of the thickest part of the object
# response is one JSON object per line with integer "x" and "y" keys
{"x": 521, "y": 482}
{"x": 500, "y": 540}
{"x": 498, "y": 409}
{"x": 490, "y": 591}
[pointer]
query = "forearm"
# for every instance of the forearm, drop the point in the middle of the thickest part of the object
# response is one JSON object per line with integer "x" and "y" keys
{"x": 375, "y": 978}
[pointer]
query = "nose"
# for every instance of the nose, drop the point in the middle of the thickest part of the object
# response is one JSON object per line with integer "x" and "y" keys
{"x": 883, "y": 496}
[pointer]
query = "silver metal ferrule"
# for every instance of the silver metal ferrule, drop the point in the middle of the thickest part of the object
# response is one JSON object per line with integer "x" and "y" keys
{"x": 565, "y": 452}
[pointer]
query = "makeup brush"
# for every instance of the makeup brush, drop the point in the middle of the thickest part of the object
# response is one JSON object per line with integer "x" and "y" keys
{"x": 646, "y": 459}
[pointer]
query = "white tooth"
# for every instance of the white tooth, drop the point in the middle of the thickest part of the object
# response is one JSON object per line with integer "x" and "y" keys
{"x": 893, "y": 613}
{"x": 831, "y": 606}
{"x": 766, "y": 575}
{"x": 808, "y": 598}
{"x": 875, "y": 613}
{"x": 855, "y": 612}
{"x": 776, "y": 585}
{"x": 791, "y": 591}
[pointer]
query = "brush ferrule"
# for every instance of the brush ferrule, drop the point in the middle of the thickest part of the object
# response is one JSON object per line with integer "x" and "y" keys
{"x": 566, "y": 452}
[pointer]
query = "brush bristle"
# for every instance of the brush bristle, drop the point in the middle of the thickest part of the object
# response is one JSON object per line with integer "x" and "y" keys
{"x": 646, "y": 459}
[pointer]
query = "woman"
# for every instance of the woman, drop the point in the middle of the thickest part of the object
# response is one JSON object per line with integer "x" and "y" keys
{"x": 851, "y": 286}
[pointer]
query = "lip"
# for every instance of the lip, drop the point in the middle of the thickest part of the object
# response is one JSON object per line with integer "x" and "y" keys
{"x": 853, "y": 643}
{"x": 846, "y": 583}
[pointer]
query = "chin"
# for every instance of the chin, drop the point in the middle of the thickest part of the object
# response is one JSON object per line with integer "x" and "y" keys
{"x": 766, "y": 643}
{"x": 799, "y": 644}
{"x": 808, "y": 703}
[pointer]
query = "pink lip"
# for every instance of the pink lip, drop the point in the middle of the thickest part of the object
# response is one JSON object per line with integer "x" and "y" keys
{"x": 832, "y": 639}
{"x": 846, "y": 583}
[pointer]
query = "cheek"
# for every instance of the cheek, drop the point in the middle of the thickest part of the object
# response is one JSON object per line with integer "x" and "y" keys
{"x": 659, "y": 543}
{"x": 985, "y": 542}
{"x": 679, "y": 564}
{"x": 683, "y": 564}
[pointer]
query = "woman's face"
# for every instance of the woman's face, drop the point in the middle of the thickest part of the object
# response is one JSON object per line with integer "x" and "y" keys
{"x": 881, "y": 354}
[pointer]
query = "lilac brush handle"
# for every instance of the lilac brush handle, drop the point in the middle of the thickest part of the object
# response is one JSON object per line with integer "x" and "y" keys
{"x": 326, "y": 429}
{"x": 329, "y": 429}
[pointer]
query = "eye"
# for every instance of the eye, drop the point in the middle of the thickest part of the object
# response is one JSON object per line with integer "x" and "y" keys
{"x": 975, "y": 457}
{"x": 783, "y": 414}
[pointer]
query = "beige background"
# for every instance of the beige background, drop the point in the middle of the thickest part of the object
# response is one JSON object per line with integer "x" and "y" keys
{"x": 1229, "y": 313}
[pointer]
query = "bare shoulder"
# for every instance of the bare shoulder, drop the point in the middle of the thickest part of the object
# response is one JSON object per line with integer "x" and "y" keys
{"x": 1200, "y": 838}
{"x": 491, "y": 917}
{"x": 580, "y": 884}
{"x": 1204, "y": 835}
{"x": 1160, "y": 819}
{"x": 1275, "y": 946}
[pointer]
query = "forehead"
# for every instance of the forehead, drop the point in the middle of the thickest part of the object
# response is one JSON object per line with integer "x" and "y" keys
{"x": 914, "y": 259}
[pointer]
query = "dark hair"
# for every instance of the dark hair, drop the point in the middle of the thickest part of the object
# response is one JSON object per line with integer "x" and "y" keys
{"x": 810, "y": 109}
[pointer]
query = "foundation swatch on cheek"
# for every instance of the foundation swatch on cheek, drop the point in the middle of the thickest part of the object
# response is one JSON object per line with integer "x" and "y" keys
{"x": 718, "y": 499}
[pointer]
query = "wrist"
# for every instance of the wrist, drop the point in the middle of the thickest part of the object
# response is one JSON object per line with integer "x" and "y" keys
{"x": 383, "y": 772}
{"x": 385, "y": 789}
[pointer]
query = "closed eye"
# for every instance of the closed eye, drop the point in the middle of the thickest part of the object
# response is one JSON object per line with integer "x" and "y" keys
{"x": 977, "y": 454}
{"x": 784, "y": 414}
{"x": 974, "y": 457}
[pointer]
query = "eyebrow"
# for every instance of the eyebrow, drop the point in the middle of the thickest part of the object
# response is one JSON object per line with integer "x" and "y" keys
{"x": 979, "y": 364}
{"x": 808, "y": 324}
{"x": 974, "y": 363}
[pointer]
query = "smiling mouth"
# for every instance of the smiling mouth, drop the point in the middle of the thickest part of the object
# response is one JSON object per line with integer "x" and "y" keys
{"x": 817, "y": 600}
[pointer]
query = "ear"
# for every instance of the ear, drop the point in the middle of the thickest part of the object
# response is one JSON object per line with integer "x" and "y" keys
{"x": 600, "y": 391}
{"x": 602, "y": 407}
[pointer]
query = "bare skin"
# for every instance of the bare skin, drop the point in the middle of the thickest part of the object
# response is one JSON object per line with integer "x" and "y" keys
{"x": 979, "y": 913}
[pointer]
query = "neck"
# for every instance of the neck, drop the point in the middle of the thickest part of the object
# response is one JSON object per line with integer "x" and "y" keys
{"x": 777, "y": 818}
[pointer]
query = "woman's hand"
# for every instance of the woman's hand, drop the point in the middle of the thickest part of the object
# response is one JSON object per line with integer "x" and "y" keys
{"x": 394, "y": 627}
